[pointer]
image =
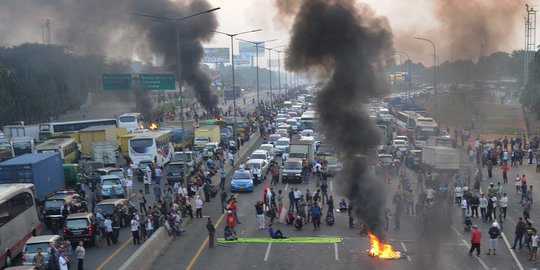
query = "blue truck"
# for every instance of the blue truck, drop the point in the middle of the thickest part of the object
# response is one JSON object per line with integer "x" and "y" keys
{"x": 44, "y": 170}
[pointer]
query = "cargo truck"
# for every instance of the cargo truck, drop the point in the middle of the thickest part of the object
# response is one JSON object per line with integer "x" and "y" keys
{"x": 104, "y": 152}
{"x": 90, "y": 135}
{"x": 303, "y": 148}
{"x": 44, "y": 170}
{"x": 206, "y": 134}
{"x": 441, "y": 158}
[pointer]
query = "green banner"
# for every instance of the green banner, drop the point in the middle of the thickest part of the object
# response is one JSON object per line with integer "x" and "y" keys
{"x": 116, "y": 81}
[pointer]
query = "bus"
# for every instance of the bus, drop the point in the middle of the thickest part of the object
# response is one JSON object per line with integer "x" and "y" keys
{"x": 131, "y": 121}
{"x": 23, "y": 145}
{"x": 425, "y": 127}
{"x": 406, "y": 123}
{"x": 48, "y": 130}
{"x": 309, "y": 120}
{"x": 67, "y": 147}
{"x": 18, "y": 220}
{"x": 154, "y": 146}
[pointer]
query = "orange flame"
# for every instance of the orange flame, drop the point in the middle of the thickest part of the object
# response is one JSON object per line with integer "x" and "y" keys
{"x": 152, "y": 126}
{"x": 141, "y": 126}
{"x": 381, "y": 250}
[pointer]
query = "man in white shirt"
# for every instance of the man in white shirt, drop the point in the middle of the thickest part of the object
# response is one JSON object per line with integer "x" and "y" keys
{"x": 297, "y": 194}
{"x": 158, "y": 175}
{"x": 108, "y": 229}
{"x": 135, "y": 230}
{"x": 463, "y": 210}
{"x": 129, "y": 173}
{"x": 63, "y": 261}
{"x": 503, "y": 203}
{"x": 129, "y": 187}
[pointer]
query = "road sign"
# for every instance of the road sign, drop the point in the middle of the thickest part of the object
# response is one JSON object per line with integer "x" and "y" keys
{"x": 116, "y": 81}
{"x": 249, "y": 49}
{"x": 216, "y": 55}
{"x": 157, "y": 81}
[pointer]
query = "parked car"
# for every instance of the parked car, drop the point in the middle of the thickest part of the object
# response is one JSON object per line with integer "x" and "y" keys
{"x": 334, "y": 166}
{"x": 112, "y": 186}
{"x": 292, "y": 171}
{"x": 281, "y": 144}
{"x": 175, "y": 172}
{"x": 385, "y": 164}
{"x": 78, "y": 227}
{"x": 261, "y": 165}
{"x": 242, "y": 180}
{"x": 116, "y": 207}
{"x": 43, "y": 242}
{"x": 53, "y": 206}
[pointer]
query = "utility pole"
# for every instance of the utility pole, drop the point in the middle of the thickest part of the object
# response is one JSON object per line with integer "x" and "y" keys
{"x": 530, "y": 40}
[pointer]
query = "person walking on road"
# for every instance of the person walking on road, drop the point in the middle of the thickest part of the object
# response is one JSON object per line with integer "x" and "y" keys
{"x": 494, "y": 233}
{"x": 129, "y": 187}
{"x": 109, "y": 230}
{"x": 316, "y": 215}
{"x": 231, "y": 158}
{"x": 291, "y": 200}
{"x": 211, "y": 232}
{"x": 503, "y": 204}
{"x": 518, "y": 234}
{"x": 223, "y": 197}
{"x": 464, "y": 206}
{"x": 80, "y": 253}
{"x": 259, "y": 212}
{"x": 476, "y": 237}
{"x": 505, "y": 170}
{"x": 534, "y": 247}
{"x": 158, "y": 175}
{"x": 142, "y": 201}
{"x": 198, "y": 207}
{"x": 135, "y": 230}
{"x": 279, "y": 199}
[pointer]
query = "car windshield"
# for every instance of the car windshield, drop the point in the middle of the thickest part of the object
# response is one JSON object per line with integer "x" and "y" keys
{"x": 331, "y": 161}
{"x": 253, "y": 165}
{"x": 54, "y": 203}
{"x": 292, "y": 166}
{"x": 175, "y": 168}
{"x": 141, "y": 145}
{"x": 76, "y": 223}
{"x": 386, "y": 160}
{"x": 110, "y": 182}
{"x": 181, "y": 156}
{"x": 282, "y": 143}
{"x": 200, "y": 140}
{"x": 258, "y": 156}
{"x": 128, "y": 119}
{"x": 118, "y": 173}
{"x": 274, "y": 137}
{"x": 106, "y": 208}
{"x": 242, "y": 175}
{"x": 32, "y": 248}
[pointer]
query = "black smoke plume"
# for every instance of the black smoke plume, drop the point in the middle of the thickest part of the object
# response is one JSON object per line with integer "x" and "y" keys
{"x": 109, "y": 28}
{"x": 346, "y": 45}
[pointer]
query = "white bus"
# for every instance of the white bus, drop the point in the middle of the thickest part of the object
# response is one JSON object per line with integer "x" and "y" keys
{"x": 47, "y": 130}
{"x": 23, "y": 145}
{"x": 131, "y": 121}
{"x": 309, "y": 120}
{"x": 18, "y": 220}
{"x": 154, "y": 146}
{"x": 67, "y": 147}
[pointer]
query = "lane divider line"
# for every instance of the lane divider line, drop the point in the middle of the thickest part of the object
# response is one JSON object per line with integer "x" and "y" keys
{"x": 124, "y": 245}
{"x": 336, "y": 254}
{"x": 267, "y": 251}
{"x": 204, "y": 243}
{"x": 405, "y": 249}
{"x": 518, "y": 263}
{"x": 478, "y": 258}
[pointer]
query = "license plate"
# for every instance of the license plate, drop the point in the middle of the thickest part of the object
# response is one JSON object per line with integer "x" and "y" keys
{"x": 242, "y": 187}
{"x": 77, "y": 233}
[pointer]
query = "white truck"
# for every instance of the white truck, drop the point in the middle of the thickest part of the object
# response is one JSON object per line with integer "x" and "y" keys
{"x": 105, "y": 153}
{"x": 441, "y": 158}
{"x": 303, "y": 148}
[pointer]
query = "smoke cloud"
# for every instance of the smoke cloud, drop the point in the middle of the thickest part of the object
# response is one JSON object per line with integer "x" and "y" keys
{"x": 109, "y": 28}
{"x": 346, "y": 45}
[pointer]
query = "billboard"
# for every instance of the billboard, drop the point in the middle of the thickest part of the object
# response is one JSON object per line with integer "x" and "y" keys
{"x": 249, "y": 49}
{"x": 242, "y": 60}
{"x": 216, "y": 55}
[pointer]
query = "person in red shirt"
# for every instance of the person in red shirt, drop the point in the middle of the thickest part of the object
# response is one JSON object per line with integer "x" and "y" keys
{"x": 476, "y": 236}
{"x": 505, "y": 170}
{"x": 231, "y": 220}
{"x": 233, "y": 208}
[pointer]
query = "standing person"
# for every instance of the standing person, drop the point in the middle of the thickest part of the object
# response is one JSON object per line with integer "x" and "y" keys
{"x": 530, "y": 194}
{"x": 517, "y": 183}
{"x": 483, "y": 206}
{"x": 198, "y": 207}
{"x": 142, "y": 201}
{"x": 129, "y": 187}
{"x": 234, "y": 207}
{"x": 291, "y": 200}
{"x": 505, "y": 170}
{"x": 297, "y": 195}
{"x": 158, "y": 175}
{"x": 157, "y": 192}
{"x": 475, "y": 202}
{"x": 211, "y": 232}
{"x": 523, "y": 188}
{"x": 518, "y": 234}
{"x": 80, "y": 253}
{"x": 148, "y": 179}
{"x": 259, "y": 212}
{"x": 324, "y": 191}
{"x": 231, "y": 158}
{"x": 315, "y": 215}
{"x": 63, "y": 261}
{"x": 222, "y": 178}
{"x": 135, "y": 230}
{"x": 274, "y": 171}
{"x": 223, "y": 197}
{"x": 464, "y": 206}
{"x": 503, "y": 204}
{"x": 149, "y": 226}
{"x": 476, "y": 237}
{"x": 279, "y": 199}
{"x": 108, "y": 229}
{"x": 231, "y": 221}
{"x": 526, "y": 209}
{"x": 494, "y": 233}
{"x": 534, "y": 246}
{"x": 458, "y": 193}
{"x": 116, "y": 228}
{"x": 39, "y": 260}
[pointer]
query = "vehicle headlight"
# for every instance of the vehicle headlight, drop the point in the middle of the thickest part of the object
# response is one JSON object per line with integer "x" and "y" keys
{"x": 298, "y": 174}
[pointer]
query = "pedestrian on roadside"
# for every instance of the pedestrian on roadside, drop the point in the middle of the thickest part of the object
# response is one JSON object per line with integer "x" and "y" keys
{"x": 316, "y": 215}
{"x": 534, "y": 247}
{"x": 523, "y": 188}
{"x": 231, "y": 158}
{"x": 279, "y": 199}
{"x": 211, "y": 232}
{"x": 222, "y": 178}
{"x": 259, "y": 212}
{"x": 517, "y": 183}
{"x": 324, "y": 192}
{"x": 526, "y": 209}
{"x": 80, "y": 253}
{"x": 158, "y": 175}
{"x": 503, "y": 204}
{"x": 475, "y": 202}
{"x": 198, "y": 207}
{"x": 505, "y": 170}
{"x": 530, "y": 194}
{"x": 39, "y": 260}
{"x": 129, "y": 187}
{"x": 135, "y": 230}
{"x": 519, "y": 233}
{"x": 223, "y": 197}
{"x": 108, "y": 229}
{"x": 149, "y": 225}
{"x": 476, "y": 237}
{"x": 464, "y": 206}
{"x": 116, "y": 228}
{"x": 157, "y": 192}
{"x": 142, "y": 201}
{"x": 483, "y": 206}
{"x": 291, "y": 200}
{"x": 494, "y": 233}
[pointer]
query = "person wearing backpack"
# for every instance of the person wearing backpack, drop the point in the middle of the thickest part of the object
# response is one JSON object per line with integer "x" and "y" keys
{"x": 316, "y": 215}
{"x": 494, "y": 233}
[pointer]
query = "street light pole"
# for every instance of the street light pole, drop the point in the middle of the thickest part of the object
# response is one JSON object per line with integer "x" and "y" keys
{"x": 233, "y": 79}
{"x": 434, "y": 67}
{"x": 179, "y": 77}
{"x": 408, "y": 71}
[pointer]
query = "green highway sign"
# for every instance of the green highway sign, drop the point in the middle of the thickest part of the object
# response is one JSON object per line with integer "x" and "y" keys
{"x": 116, "y": 81}
{"x": 157, "y": 81}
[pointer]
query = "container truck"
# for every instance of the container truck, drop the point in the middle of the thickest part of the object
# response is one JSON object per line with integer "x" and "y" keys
{"x": 104, "y": 152}
{"x": 44, "y": 170}
{"x": 441, "y": 158}
{"x": 90, "y": 135}
{"x": 206, "y": 134}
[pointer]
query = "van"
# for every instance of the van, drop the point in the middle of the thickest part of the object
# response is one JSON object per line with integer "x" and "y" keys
{"x": 292, "y": 171}
{"x": 112, "y": 186}
{"x": 78, "y": 227}
{"x": 43, "y": 242}
{"x": 53, "y": 206}
{"x": 116, "y": 207}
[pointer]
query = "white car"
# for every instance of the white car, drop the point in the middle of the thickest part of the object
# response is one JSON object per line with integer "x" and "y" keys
{"x": 269, "y": 148}
{"x": 261, "y": 165}
{"x": 261, "y": 154}
{"x": 281, "y": 144}
{"x": 307, "y": 133}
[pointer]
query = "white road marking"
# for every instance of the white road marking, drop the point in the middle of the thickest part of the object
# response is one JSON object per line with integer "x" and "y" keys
{"x": 331, "y": 186}
{"x": 405, "y": 249}
{"x": 267, "y": 251}
{"x": 478, "y": 258}
{"x": 286, "y": 187}
{"x": 456, "y": 231}
{"x": 336, "y": 252}
{"x": 512, "y": 252}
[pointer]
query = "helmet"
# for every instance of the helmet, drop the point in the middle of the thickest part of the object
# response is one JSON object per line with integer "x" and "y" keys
{"x": 495, "y": 224}
{"x": 475, "y": 226}
{"x": 229, "y": 212}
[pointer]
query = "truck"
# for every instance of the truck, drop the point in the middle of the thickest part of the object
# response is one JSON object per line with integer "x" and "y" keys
{"x": 303, "y": 148}
{"x": 90, "y": 135}
{"x": 180, "y": 138}
{"x": 441, "y": 158}
{"x": 14, "y": 131}
{"x": 123, "y": 141}
{"x": 206, "y": 134}
{"x": 104, "y": 152}
{"x": 441, "y": 141}
{"x": 44, "y": 170}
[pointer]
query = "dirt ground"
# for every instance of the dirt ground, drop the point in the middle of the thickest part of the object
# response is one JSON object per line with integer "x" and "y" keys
{"x": 491, "y": 116}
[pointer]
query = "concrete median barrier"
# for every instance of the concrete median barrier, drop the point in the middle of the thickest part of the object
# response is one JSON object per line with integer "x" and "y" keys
{"x": 144, "y": 257}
